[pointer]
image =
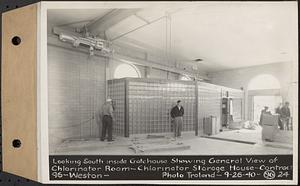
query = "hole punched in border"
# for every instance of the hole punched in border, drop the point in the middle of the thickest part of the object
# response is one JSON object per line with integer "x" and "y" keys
{"x": 16, "y": 40}
{"x": 16, "y": 143}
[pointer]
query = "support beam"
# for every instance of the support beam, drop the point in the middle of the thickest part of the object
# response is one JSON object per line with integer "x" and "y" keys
{"x": 52, "y": 40}
{"x": 148, "y": 72}
{"x": 110, "y": 19}
{"x": 126, "y": 59}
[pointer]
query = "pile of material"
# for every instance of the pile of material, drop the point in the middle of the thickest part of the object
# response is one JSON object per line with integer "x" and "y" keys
{"x": 251, "y": 125}
{"x": 153, "y": 143}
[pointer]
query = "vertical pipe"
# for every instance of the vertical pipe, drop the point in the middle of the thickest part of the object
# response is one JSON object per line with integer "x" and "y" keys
{"x": 106, "y": 77}
{"x": 91, "y": 93}
{"x": 106, "y": 71}
{"x": 126, "y": 109}
{"x": 80, "y": 123}
{"x": 196, "y": 109}
{"x": 221, "y": 110}
{"x": 244, "y": 117}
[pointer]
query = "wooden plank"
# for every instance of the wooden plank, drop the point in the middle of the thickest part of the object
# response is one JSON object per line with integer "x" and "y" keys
{"x": 19, "y": 106}
{"x": 168, "y": 147}
{"x": 151, "y": 136}
{"x": 229, "y": 140}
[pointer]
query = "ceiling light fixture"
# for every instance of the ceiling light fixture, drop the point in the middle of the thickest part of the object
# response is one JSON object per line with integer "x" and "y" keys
{"x": 198, "y": 60}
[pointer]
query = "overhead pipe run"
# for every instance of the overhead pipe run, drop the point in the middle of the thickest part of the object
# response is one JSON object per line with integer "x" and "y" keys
{"x": 148, "y": 23}
{"x": 94, "y": 43}
{"x": 76, "y": 40}
{"x": 168, "y": 14}
{"x": 110, "y": 19}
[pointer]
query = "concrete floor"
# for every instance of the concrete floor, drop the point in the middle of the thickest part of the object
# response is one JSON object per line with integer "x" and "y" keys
{"x": 197, "y": 145}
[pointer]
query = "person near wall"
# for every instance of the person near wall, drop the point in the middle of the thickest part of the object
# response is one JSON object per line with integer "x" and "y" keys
{"x": 107, "y": 119}
{"x": 278, "y": 111}
{"x": 264, "y": 111}
{"x": 285, "y": 115}
{"x": 177, "y": 113}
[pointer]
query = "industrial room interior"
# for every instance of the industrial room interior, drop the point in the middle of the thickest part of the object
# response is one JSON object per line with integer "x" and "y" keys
{"x": 224, "y": 61}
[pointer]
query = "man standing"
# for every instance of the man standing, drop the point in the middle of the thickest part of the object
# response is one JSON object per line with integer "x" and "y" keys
{"x": 107, "y": 119}
{"x": 285, "y": 115}
{"x": 177, "y": 113}
{"x": 264, "y": 111}
{"x": 278, "y": 111}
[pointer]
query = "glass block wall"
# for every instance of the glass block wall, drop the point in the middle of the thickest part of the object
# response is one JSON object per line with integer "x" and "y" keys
{"x": 142, "y": 106}
{"x": 116, "y": 91}
{"x": 151, "y": 100}
{"x": 209, "y": 103}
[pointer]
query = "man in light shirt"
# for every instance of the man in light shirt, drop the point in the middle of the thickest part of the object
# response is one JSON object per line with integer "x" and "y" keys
{"x": 107, "y": 119}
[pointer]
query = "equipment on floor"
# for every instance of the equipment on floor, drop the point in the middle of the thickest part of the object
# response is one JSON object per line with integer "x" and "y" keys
{"x": 210, "y": 125}
{"x": 232, "y": 108}
{"x": 270, "y": 126}
{"x": 226, "y": 111}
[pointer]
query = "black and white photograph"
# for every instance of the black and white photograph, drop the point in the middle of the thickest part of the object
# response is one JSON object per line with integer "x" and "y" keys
{"x": 181, "y": 78}
{"x": 149, "y": 92}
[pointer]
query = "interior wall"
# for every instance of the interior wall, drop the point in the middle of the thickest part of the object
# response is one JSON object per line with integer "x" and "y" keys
{"x": 76, "y": 90}
{"x": 113, "y": 64}
{"x": 241, "y": 77}
{"x": 139, "y": 54}
{"x": 144, "y": 71}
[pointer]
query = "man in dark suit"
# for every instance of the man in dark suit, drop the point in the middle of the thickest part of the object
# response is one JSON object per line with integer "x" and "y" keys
{"x": 278, "y": 111}
{"x": 177, "y": 113}
{"x": 264, "y": 111}
{"x": 285, "y": 115}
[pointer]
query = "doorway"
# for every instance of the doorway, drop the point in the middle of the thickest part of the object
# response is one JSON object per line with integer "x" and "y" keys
{"x": 260, "y": 101}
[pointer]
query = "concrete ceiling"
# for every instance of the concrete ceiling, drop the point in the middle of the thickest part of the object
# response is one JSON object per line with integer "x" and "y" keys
{"x": 224, "y": 35}
{"x": 74, "y": 18}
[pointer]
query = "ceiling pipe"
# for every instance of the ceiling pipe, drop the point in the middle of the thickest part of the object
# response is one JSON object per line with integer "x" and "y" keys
{"x": 149, "y": 23}
{"x": 110, "y": 19}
